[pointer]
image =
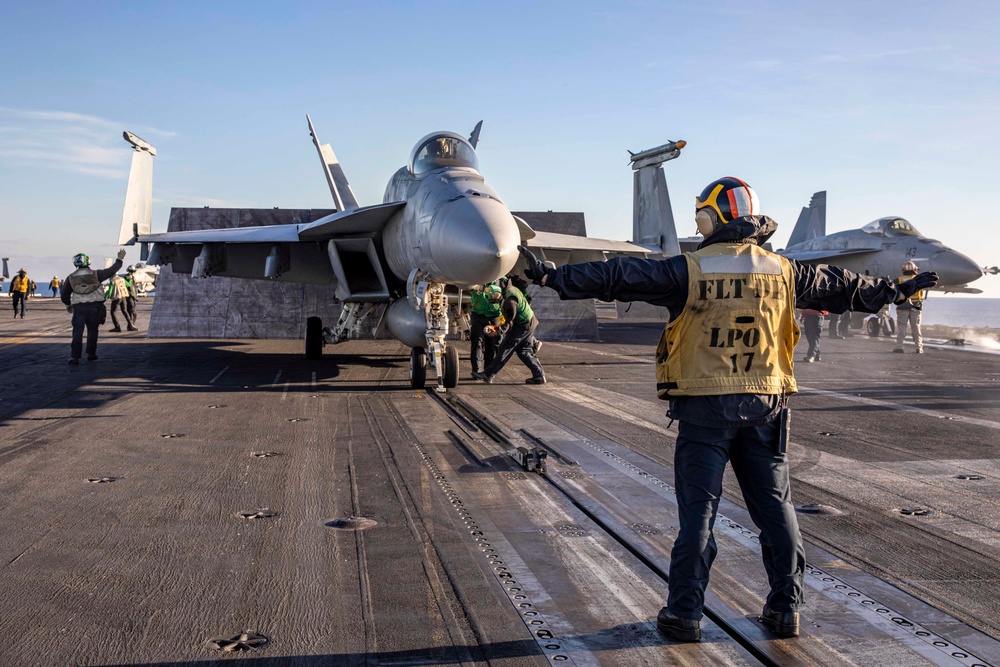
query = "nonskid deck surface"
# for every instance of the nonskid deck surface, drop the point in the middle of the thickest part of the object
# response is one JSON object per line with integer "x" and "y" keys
{"x": 181, "y": 495}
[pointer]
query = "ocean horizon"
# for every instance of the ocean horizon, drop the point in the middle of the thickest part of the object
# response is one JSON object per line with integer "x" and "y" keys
{"x": 975, "y": 312}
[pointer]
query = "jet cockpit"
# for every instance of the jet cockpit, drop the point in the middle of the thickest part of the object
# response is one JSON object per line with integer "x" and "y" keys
{"x": 891, "y": 227}
{"x": 440, "y": 150}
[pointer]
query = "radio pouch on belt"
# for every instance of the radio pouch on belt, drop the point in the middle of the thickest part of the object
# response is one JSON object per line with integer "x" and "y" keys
{"x": 784, "y": 423}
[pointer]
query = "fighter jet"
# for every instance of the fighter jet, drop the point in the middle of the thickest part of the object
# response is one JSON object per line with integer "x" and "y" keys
{"x": 879, "y": 249}
{"x": 440, "y": 230}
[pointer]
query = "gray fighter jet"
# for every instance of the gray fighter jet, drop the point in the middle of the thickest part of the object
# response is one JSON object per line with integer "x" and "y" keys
{"x": 879, "y": 249}
{"x": 440, "y": 230}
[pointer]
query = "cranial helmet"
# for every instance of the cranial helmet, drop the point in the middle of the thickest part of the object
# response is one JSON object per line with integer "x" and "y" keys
{"x": 81, "y": 260}
{"x": 722, "y": 201}
{"x": 910, "y": 267}
{"x": 130, "y": 269}
{"x": 22, "y": 272}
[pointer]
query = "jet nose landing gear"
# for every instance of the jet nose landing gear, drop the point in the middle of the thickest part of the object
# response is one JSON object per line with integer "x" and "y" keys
{"x": 448, "y": 361}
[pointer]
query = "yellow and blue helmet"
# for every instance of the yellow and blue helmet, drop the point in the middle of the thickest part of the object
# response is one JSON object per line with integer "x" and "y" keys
{"x": 726, "y": 199}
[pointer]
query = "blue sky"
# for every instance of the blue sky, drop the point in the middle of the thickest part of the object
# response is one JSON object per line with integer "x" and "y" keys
{"x": 889, "y": 106}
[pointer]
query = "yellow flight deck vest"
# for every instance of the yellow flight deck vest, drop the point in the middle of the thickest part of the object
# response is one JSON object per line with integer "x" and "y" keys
{"x": 85, "y": 285}
{"x": 737, "y": 330}
{"x": 19, "y": 284}
{"x": 918, "y": 296}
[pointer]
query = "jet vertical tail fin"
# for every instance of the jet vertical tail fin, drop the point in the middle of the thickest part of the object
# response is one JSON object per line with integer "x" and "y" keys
{"x": 652, "y": 216}
{"x": 6, "y": 272}
{"x": 343, "y": 196}
{"x": 474, "y": 137}
{"x": 812, "y": 221}
{"x": 138, "y": 212}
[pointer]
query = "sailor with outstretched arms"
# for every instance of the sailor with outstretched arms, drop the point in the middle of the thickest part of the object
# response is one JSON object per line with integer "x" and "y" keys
{"x": 724, "y": 363}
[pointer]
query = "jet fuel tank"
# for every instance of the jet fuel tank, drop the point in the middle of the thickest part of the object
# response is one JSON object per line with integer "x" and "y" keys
{"x": 406, "y": 324}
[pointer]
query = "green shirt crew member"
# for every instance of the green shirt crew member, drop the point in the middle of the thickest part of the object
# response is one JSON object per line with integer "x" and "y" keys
{"x": 485, "y": 308}
{"x": 518, "y": 331}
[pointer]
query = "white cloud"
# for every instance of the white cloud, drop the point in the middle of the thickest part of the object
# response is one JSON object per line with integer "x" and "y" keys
{"x": 65, "y": 140}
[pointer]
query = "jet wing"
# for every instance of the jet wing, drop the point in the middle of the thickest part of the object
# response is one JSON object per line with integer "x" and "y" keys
{"x": 358, "y": 221}
{"x": 572, "y": 249}
{"x": 825, "y": 254}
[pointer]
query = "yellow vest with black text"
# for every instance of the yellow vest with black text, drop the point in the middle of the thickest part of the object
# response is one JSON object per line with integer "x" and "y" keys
{"x": 918, "y": 296}
{"x": 737, "y": 330}
{"x": 85, "y": 285}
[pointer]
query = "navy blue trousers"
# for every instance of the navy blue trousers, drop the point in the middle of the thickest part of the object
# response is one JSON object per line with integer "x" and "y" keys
{"x": 699, "y": 462}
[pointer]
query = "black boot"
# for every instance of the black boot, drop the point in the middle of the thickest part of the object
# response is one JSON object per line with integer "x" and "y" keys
{"x": 679, "y": 629}
{"x": 781, "y": 623}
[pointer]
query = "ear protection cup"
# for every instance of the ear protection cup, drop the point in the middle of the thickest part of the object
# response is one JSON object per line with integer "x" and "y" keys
{"x": 706, "y": 220}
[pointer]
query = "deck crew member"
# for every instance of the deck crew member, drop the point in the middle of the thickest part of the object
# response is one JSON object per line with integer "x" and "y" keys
{"x": 117, "y": 292}
{"x": 84, "y": 297}
{"x": 518, "y": 331}
{"x": 133, "y": 295}
{"x": 19, "y": 287}
{"x": 724, "y": 363}
{"x": 485, "y": 308}
{"x": 910, "y": 312}
{"x": 54, "y": 285}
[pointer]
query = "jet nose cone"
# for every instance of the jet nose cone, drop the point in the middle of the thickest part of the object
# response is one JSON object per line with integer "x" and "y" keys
{"x": 954, "y": 268}
{"x": 474, "y": 240}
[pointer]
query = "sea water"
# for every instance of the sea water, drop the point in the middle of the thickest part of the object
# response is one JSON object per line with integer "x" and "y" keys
{"x": 953, "y": 311}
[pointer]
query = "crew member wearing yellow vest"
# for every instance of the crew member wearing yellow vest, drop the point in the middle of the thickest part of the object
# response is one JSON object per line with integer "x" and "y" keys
{"x": 19, "y": 287}
{"x": 54, "y": 286}
{"x": 84, "y": 297}
{"x": 910, "y": 312}
{"x": 518, "y": 330}
{"x": 724, "y": 363}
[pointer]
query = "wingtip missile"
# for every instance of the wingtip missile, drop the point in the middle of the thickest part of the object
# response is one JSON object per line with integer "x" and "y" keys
{"x": 658, "y": 155}
{"x": 138, "y": 143}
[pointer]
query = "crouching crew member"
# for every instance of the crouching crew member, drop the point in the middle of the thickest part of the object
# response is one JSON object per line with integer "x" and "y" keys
{"x": 84, "y": 297}
{"x": 724, "y": 363}
{"x": 118, "y": 294}
{"x": 518, "y": 329}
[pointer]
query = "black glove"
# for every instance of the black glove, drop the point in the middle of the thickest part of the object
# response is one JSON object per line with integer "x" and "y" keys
{"x": 921, "y": 281}
{"x": 536, "y": 270}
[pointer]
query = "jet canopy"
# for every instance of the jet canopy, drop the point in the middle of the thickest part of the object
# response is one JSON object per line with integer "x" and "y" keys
{"x": 891, "y": 227}
{"x": 440, "y": 150}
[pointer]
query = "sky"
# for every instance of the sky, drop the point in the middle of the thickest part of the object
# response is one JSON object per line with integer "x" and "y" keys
{"x": 889, "y": 106}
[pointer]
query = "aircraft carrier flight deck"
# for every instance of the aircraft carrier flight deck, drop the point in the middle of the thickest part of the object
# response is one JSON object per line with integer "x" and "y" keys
{"x": 183, "y": 501}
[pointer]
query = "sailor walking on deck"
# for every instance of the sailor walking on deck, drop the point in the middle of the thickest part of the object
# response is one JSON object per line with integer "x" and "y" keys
{"x": 83, "y": 296}
{"x": 724, "y": 363}
{"x": 19, "y": 287}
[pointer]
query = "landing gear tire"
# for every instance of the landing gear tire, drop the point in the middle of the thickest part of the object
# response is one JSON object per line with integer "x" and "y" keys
{"x": 314, "y": 338}
{"x": 418, "y": 367}
{"x": 873, "y": 327}
{"x": 451, "y": 367}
